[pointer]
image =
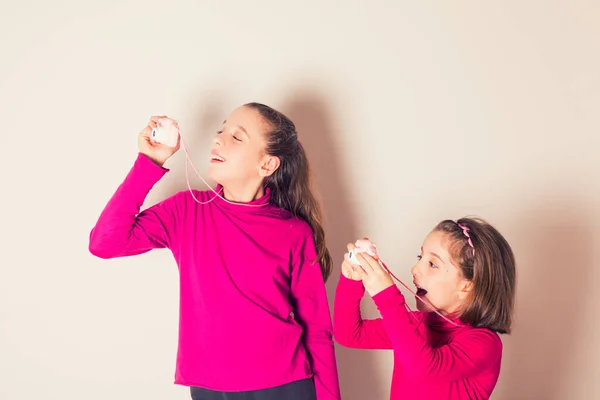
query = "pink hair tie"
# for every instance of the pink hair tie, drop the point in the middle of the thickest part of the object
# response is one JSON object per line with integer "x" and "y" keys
{"x": 466, "y": 232}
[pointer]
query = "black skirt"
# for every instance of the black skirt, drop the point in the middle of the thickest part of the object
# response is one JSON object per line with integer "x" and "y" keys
{"x": 299, "y": 390}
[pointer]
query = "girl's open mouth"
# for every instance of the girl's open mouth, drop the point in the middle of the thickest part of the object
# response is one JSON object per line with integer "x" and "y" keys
{"x": 421, "y": 291}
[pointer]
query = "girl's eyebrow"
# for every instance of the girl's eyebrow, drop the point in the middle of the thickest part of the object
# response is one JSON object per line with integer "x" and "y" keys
{"x": 433, "y": 254}
{"x": 241, "y": 128}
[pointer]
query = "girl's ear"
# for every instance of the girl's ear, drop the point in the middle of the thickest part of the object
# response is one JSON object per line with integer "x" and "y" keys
{"x": 269, "y": 166}
{"x": 464, "y": 289}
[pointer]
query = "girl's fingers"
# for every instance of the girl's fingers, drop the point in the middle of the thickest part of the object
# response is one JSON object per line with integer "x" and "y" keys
{"x": 377, "y": 267}
{"x": 146, "y": 131}
{"x": 347, "y": 264}
{"x": 360, "y": 271}
{"x": 366, "y": 266}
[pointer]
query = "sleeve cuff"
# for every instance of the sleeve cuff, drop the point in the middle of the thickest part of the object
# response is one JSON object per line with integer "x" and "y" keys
{"x": 390, "y": 296}
{"x": 350, "y": 282}
{"x": 142, "y": 176}
{"x": 150, "y": 170}
{"x": 146, "y": 161}
{"x": 351, "y": 286}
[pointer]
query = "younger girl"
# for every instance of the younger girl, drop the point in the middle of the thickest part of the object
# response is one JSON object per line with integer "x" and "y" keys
{"x": 252, "y": 258}
{"x": 450, "y": 349}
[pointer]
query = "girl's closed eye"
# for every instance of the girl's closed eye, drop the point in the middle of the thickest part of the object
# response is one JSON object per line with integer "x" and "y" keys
{"x": 234, "y": 136}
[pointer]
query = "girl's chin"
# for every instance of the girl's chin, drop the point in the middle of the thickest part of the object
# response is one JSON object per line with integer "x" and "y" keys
{"x": 422, "y": 306}
{"x": 214, "y": 176}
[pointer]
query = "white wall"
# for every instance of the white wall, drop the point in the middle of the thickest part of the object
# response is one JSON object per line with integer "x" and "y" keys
{"x": 411, "y": 112}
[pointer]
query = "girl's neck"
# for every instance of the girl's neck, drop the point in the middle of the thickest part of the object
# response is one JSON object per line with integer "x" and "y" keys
{"x": 243, "y": 193}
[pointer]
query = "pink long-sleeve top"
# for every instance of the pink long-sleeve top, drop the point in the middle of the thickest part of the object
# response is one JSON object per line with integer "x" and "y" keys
{"x": 433, "y": 358}
{"x": 253, "y": 304}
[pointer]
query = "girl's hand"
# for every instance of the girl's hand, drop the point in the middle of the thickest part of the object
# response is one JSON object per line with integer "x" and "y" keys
{"x": 374, "y": 276}
{"x": 349, "y": 270}
{"x": 157, "y": 152}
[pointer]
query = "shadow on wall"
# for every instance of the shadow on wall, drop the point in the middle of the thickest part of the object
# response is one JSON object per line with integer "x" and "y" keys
{"x": 554, "y": 272}
{"x": 358, "y": 372}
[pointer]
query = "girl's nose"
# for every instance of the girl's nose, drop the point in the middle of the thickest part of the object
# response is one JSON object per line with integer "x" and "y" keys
{"x": 414, "y": 270}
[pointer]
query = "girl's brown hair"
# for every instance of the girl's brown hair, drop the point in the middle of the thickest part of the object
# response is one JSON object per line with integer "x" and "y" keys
{"x": 490, "y": 268}
{"x": 290, "y": 184}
